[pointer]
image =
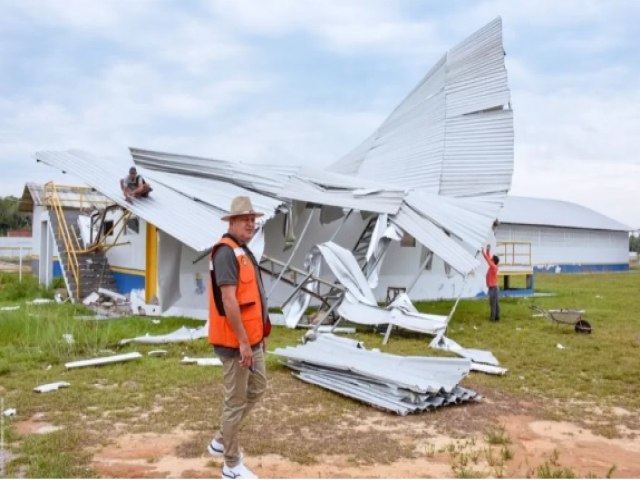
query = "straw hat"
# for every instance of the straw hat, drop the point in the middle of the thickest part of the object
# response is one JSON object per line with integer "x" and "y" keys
{"x": 241, "y": 206}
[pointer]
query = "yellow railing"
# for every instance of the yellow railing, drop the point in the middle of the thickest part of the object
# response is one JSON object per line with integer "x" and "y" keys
{"x": 71, "y": 242}
{"x": 77, "y": 196}
{"x": 121, "y": 222}
{"x": 514, "y": 253}
{"x": 68, "y": 235}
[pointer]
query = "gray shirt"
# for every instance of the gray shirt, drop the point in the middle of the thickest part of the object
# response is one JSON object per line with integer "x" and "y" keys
{"x": 225, "y": 268}
{"x": 132, "y": 185}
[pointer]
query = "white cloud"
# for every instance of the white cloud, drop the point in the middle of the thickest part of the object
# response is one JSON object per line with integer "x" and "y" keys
{"x": 200, "y": 79}
{"x": 90, "y": 16}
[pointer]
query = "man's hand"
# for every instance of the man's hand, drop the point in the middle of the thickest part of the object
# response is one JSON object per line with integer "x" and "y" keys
{"x": 246, "y": 355}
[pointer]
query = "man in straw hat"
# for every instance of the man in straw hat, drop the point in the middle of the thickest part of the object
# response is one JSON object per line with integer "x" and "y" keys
{"x": 238, "y": 326}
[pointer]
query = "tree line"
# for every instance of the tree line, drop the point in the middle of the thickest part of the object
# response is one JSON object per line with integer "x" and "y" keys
{"x": 634, "y": 243}
{"x": 10, "y": 218}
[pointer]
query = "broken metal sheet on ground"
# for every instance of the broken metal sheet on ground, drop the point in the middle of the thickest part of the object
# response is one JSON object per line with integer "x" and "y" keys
{"x": 93, "y": 317}
{"x": 157, "y": 353}
{"x": 91, "y": 298}
{"x": 481, "y": 360}
{"x": 203, "y": 362}
{"x": 391, "y": 382}
{"x": 357, "y": 307}
{"x": 10, "y": 308}
{"x": 125, "y": 357}
{"x": 50, "y": 387}
{"x": 111, "y": 294}
{"x": 39, "y": 301}
{"x": 183, "y": 334}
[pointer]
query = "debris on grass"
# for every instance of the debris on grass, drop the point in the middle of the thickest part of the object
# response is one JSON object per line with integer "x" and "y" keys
{"x": 207, "y": 361}
{"x": 183, "y": 334}
{"x": 157, "y": 353}
{"x": 125, "y": 357}
{"x": 51, "y": 387}
{"x": 390, "y": 382}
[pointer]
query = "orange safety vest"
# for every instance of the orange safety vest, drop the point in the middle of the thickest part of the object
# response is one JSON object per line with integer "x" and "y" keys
{"x": 248, "y": 295}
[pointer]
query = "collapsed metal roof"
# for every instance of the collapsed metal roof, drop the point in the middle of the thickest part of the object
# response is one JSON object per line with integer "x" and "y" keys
{"x": 440, "y": 165}
{"x": 165, "y": 208}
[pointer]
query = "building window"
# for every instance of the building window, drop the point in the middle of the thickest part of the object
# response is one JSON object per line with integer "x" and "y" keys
{"x": 106, "y": 227}
{"x": 407, "y": 241}
{"x": 427, "y": 256}
{"x": 133, "y": 226}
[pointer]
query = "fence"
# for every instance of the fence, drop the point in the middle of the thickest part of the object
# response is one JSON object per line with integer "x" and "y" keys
{"x": 15, "y": 258}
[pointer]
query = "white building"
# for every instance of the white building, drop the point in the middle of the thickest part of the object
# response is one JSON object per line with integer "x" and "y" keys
{"x": 562, "y": 237}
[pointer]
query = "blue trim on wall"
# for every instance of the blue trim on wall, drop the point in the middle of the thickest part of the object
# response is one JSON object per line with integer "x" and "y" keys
{"x": 57, "y": 269}
{"x": 127, "y": 282}
{"x": 512, "y": 292}
{"x": 618, "y": 267}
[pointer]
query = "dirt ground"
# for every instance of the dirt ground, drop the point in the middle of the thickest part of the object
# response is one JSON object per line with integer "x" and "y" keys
{"x": 535, "y": 447}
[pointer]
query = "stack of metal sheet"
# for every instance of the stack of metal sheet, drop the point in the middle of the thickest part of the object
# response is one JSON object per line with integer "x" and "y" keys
{"x": 390, "y": 382}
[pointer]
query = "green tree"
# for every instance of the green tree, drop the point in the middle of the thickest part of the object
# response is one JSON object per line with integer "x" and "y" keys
{"x": 634, "y": 243}
{"x": 10, "y": 218}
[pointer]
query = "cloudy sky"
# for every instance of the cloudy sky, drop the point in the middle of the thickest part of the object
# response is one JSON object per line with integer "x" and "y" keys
{"x": 295, "y": 81}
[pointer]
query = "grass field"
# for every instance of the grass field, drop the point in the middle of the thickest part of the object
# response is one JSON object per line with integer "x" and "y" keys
{"x": 160, "y": 394}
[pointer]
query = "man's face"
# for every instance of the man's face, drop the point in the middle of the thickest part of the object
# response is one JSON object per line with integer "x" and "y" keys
{"x": 243, "y": 227}
{"x": 132, "y": 176}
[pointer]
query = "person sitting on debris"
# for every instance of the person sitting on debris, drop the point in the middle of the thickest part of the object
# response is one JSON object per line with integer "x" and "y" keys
{"x": 134, "y": 186}
{"x": 492, "y": 283}
{"x": 238, "y": 327}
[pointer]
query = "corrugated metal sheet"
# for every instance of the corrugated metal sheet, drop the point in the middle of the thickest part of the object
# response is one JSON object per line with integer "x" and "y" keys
{"x": 264, "y": 178}
{"x": 455, "y": 215}
{"x": 215, "y": 193}
{"x": 390, "y": 382}
{"x": 308, "y": 190}
{"x": 452, "y": 136}
{"x": 420, "y": 374}
{"x": 435, "y": 239}
{"x": 165, "y": 208}
{"x": 555, "y": 213}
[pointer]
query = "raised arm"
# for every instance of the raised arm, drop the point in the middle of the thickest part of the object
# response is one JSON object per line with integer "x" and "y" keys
{"x": 486, "y": 253}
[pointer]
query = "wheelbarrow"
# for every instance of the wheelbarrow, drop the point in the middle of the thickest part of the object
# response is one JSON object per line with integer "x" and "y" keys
{"x": 565, "y": 316}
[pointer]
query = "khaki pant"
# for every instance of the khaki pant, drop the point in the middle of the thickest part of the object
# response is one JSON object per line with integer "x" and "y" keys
{"x": 242, "y": 390}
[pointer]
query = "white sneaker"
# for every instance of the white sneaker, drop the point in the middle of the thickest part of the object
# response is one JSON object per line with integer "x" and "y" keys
{"x": 216, "y": 448}
{"x": 239, "y": 471}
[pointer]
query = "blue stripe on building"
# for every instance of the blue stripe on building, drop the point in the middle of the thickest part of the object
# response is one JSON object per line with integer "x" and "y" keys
{"x": 616, "y": 267}
{"x": 128, "y": 281}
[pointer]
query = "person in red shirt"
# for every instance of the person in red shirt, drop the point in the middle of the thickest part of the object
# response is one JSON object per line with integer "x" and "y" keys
{"x": 492, "y": 283}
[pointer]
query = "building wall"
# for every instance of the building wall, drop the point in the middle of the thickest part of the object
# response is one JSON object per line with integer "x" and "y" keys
{"x": 127, "y": 258}
{"x": 194, "y": 285}
{"x": 558, "y": 249}
{"x": 40, "y": 213}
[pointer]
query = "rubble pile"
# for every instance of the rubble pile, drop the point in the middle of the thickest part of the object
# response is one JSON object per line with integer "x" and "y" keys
{"x": 390, "y": 382}
{"x": 108, "y": 303}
